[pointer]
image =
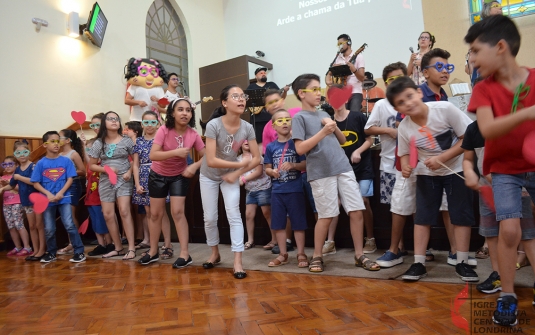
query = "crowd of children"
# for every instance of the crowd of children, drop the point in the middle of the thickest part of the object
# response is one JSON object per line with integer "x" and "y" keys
{"x": 305, "y": 151}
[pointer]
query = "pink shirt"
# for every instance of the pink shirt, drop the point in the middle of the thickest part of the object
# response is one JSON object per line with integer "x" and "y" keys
{"x": 352, "y": 79}
{"x": 10, "y": 198}
{"x": 169, "y": 139}
{"x": 269, "y": 134}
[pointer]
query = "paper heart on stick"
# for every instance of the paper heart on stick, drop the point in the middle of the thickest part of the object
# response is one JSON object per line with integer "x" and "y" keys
{"x": 528, "y": 148}
{"x": 78, "y": 117}
{"x": 339, "y": 96}
{"x": 111, "y": 174}
{"x": 83, "y": 226}
{"x": 163, "y": 102}
{"x": 39, "y": 201}
{"x": 413, "y": 153}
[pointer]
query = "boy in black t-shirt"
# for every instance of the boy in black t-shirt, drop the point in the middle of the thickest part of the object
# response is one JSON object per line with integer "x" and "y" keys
{"x": 356, "y": 147}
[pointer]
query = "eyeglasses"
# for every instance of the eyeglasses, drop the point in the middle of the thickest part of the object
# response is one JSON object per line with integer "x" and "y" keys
{"x": 282, "y": 120}
{"x": 424, "y": 38}
{"x": 174, "y": 79}
{"x": 340, "y": 43}
{"x": 21, "y": 153}
{"x": 495, "y": 5}
{"x": 316, "y": 90}
{"x": 273, "y": 102}
{"x": 151, "y": 123}
{"x": 63, "y": 138}
{"x": 391, "y": 79}
{"x": 236, "y": 96}
{"x": 7, "y": 165}
{"x": 439, "y": 66}
{"x": 94, "y": 125}
{"x": 228, "y": 147}
{"x": 52, "y": 142}
{"x": 145, "y": 70}
{"x": 112, "y": 119}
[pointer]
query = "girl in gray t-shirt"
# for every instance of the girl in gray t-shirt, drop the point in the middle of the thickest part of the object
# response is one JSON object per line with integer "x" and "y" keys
{"x": 113, "y": 150}
{"x": 220, "y": 170}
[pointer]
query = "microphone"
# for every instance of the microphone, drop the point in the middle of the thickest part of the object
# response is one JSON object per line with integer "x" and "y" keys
{"x": 411, "y": 50}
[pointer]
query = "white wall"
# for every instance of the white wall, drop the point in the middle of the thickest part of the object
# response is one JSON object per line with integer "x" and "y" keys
{"x": 46, "y": 75}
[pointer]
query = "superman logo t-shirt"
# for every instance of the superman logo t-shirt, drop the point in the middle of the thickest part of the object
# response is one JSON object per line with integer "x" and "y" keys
{"x": 52, "y": 174}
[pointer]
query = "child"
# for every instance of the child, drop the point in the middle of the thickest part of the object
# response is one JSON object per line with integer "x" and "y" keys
{"x": 113, "y": 150}
{"x": 21, "y": 178}
{"x": 284, "y": 165}
{"x": 356, "y": 148}
{"x": 72, "y": 148}
{"x": 52, "y": 176}
{"x": 329, "y": 172}
{"x": 13, "y": 211}
{"x": 96, "y": 120}
{"x": 168, "y": 176}
{"x": 505, "y": 113}
{"x": 438, "y": 129}
{"x": 220, "y": 170}
{"x": 92, "y": 201}
{"x": 258, "y": 187}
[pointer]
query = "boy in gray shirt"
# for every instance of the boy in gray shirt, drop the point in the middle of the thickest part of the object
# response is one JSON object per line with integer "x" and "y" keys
{"x": 316, "y": 135}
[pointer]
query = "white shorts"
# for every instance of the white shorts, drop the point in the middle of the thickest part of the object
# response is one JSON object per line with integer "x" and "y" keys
{"x": 403, "y": 201}
{"x": 327, "y": 190}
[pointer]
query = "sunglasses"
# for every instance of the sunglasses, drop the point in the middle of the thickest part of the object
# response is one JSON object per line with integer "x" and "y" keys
{"x": 112, "y": 119}
{"x": 52, "y": 142}
{"x": 316, "y": 90}
{"x": 21, "y": 153}
{"x": 391, "y": 79}
{"x": 7, "y": 165}
{"x": 273, "y": 102}
{"x": 282, "y": 120}
{"x": 94, "y": 125}
{"x": 151, "y": 123}
{"x": 495, "y": 5}
{"x": 439, "y": 66}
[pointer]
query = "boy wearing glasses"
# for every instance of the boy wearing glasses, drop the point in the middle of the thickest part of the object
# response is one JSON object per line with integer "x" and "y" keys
{"x": 172, "y": 84}
{"x": 436, "y": 70}
{"x": 437, "y": 129}
{"x": 284, "y": 166}
{"x": 52, "y": 176}
{"x": 331, "y": 176}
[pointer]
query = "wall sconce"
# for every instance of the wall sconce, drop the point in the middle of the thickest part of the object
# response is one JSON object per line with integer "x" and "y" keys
{"x": 73, "y": 27}
{"x": 39, "y": 23}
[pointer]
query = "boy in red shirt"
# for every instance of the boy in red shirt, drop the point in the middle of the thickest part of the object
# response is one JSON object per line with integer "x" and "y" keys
{"x": 505, "y": 109}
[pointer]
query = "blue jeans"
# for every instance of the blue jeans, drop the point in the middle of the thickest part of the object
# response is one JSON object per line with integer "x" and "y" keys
{"x": 50, "y": 228}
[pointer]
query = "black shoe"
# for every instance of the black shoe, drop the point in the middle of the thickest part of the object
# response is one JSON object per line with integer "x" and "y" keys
{"x": 33, "y": 258}
{"x": 240, "y": 274}
{"x": 78, "y": 258}
{"x": 99, "y": 250}
{"x": 465, "y": 272}
{"x": 110, "y": 247}
{"x": 505, "y": 313}
{"x": 276, "y": 250}
{"x": 147, "y": 259}
{"x": 491, "y": 285}
{"x": 47, "y": 258}
{"x": 415, "y": 272}
{"x": 182, "y": 263}
{"x": 210, "y": 265}
{"x": 124, "y": 240}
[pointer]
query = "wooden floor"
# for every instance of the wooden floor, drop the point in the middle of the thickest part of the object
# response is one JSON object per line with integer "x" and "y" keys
{"x": 118, "y": 297}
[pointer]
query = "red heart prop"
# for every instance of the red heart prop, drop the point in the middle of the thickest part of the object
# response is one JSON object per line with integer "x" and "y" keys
{"x": 413, "y": 153}
{"x": 488, "y": 197}
{"x": 111, "y": 174}
{"x": 40, "y": 202}
{"x": 528, "y": 148}
{"x": 163, "y": 102}
{"x": 338, "y": 97}
{"x": 79, "y": 117}
{"x": 83, "y": 226}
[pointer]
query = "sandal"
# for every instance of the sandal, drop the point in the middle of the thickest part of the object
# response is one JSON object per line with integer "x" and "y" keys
{"x": 167, "y": 253}
{"x": 302, "y": 260}
{"x": 277, "y": 262}
{"x": 210, "y": 265}
{"x": 117, "y": 253}
{"x": 270, "y": 245}
{"x": 482, "y": 253}
{"x": 524, "y": 262}
{"x": 142, "y": 246}
{"x": 316, "y": 264}
{"x": 429, "y": 257}
{"x": 366, "y": 263}
{"x": 249, "y": 245}
{"x": 67, "y": 250}
{"x": 126, "y": 256}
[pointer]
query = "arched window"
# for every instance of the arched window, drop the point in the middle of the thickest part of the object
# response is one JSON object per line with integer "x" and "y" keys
{"x": 166, "y": 39}
{"x": 511, "y": 8}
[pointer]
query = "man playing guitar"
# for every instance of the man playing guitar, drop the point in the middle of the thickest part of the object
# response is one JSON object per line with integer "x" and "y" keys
{"x": 357, "y": 68}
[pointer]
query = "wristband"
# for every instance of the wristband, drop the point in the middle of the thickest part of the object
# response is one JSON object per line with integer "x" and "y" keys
{"x": 243, "y": 180}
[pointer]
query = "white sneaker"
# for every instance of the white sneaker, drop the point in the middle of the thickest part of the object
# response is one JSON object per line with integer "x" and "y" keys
{"x": 370, "y": 245}
{"x": 328, "y": 248}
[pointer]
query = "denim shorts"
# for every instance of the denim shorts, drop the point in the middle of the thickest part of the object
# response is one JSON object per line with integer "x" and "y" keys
{"x": 260, "y": 198}
{"x": 507, "y": 190}
{"x": 366, "y": 188}
{"x": 489, "y": 227}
